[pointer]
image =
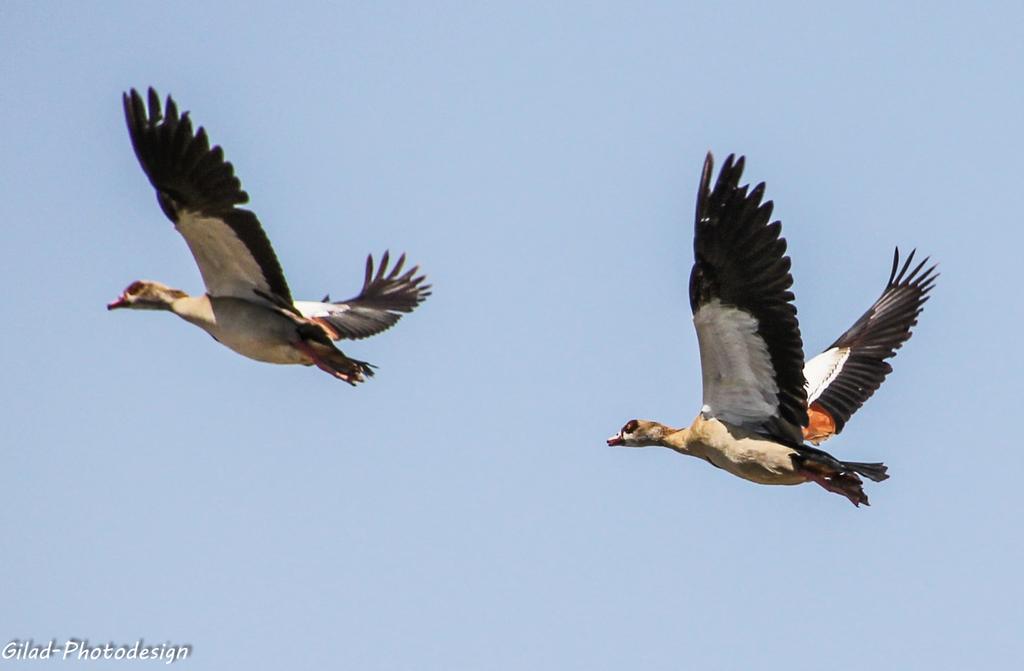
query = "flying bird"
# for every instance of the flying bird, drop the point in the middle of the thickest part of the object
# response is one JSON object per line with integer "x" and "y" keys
{"x": 761, "y": 403}
{"x": 247, "y": 306}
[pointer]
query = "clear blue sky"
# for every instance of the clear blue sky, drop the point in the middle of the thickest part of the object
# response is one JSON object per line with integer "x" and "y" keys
{"x": 539, "y": 160}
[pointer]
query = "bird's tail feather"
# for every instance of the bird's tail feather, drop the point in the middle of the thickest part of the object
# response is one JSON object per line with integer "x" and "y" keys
{"x": 875, "y": 471}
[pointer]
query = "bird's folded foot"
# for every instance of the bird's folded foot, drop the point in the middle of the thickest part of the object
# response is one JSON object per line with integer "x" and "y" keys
{"x": 333, "y": 362}
{"x": 847, "y": 484}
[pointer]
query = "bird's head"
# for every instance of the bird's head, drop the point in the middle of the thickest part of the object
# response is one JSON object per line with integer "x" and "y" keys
{"x": 147, "y": 295}
{"x": 640, "y": 433}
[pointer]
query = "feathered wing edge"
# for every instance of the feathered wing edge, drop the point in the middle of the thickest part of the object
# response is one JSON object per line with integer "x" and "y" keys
{"x": 386, "y": 295}
{"x": 740, "y": 262}
{"x": 197, "y": 190}
{"x": 179, "y": 162}
{"x": 856, "y": 363}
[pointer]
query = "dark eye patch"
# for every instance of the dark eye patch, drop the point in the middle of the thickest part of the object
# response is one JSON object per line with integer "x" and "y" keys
{"x": 631, "y": 426}
{"x": 134, "y": 288}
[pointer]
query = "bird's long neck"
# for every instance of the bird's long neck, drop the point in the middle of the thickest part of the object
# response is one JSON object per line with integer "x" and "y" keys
{"x": 666, "y": 436}
{"x": 678, "y": 440}
{"x": 195, "y": 309}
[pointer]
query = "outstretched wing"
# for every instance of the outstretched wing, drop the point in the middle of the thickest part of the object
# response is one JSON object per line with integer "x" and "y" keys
{"x": 198, "y": 191}
{"x": 385, "y": 297}
{"x": 751, "y": 353}
{"x": 847, "y": 373}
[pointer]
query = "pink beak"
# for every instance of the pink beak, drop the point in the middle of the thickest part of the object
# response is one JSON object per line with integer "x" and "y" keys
{"x": 119, "y": 303}
{"x": 615, "y": 440}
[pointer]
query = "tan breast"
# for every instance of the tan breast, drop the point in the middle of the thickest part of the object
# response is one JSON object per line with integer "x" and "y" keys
{"x": 741, "y": 453}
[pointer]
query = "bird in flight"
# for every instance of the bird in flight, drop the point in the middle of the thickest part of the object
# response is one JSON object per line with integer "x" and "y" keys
{"x": 247, "y": 306}
{"x": 761, "y": 403}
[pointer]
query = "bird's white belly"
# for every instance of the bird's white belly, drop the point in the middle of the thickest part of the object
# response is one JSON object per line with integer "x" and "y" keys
{"x": 250, "y": 329}
{"x": 253, "y": 346}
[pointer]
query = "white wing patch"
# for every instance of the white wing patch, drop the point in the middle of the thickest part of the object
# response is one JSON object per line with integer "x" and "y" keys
{"x": 823, "y": 369}
{"x": 310, "y": 309}
{"x": 226, "y": 264}
{"x": 739, "y": 380}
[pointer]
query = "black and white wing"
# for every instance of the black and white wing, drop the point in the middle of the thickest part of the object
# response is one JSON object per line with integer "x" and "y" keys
{"x": 198, "y": 191}
{"x": 847, "y": 373}
{"x": 751, "y": 353}
{"x": 385, "y": 297}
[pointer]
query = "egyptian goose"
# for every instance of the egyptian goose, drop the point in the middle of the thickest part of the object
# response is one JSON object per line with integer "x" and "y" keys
{"x": 247, "y": 306}
{"x": 760, "y": 402}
